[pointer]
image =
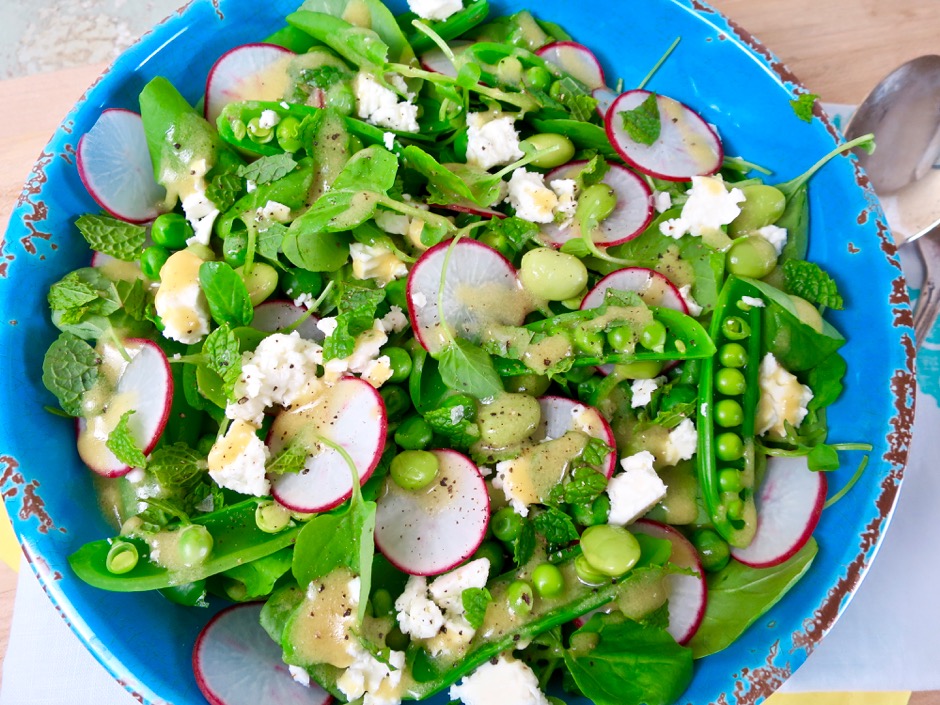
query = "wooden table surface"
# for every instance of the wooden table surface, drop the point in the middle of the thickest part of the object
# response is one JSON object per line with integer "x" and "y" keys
{"x": 838, "y": 48}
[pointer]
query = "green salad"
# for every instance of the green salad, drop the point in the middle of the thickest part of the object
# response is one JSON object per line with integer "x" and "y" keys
{"x": 486, "y": 374}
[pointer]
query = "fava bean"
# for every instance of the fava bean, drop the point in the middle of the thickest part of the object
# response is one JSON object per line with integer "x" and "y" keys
{"x": 751, "y": 256}
{"x": 531, "y": 384}
{"x": 586, "y": 572}
{"x": 272, "y": 517}
{"x": 763, "y": 205}
{"x": 414, "y": 469}
{"x": 562, "y": 149}
{"x": 549, "y": 274}
{"x": 260, "y": 280}
{"x": 610, "y": 550}
{"x": 641, "y": 369}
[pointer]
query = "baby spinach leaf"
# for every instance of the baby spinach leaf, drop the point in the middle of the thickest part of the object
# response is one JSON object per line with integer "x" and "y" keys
{"x": 69, "y": 369}
{"x": 259, "y": 576}
{"x": 316, "y": 252}
{"x": 826, "y": 381}
{"x": 467, "y": 368}
{"x": 642, "y": 123}
{"x": 822, "y": 458}
{"x": 268, "y": 169}
{"x": 111, "y": 236}
{"x": 122, "y": 443}
{"x": 475, "y": 601}
{"x": 229, "y": 302}
{"x": 445, "y": 186}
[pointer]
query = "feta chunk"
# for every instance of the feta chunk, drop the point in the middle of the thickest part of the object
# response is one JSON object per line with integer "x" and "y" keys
{"x": 491, "y": 141}
{"x": 567, "y": 192}
{"x": 530, "y": 198}
{"x": 268, "y": 119}
{"x": 376, "y": 262}
{"x": 380, "y": 105}
{"x": 328, "y": 325}
{"x": 518, "y": 504}
{"x": 782, "y": 399}
{"x": 370, "y": 679}
{"x": 237, "y": 460}
{"x": 388, "y": 139}
{"x": 686, "y": 293}
{"x": 395, "y": 320}
{"x": 710, "y": 206}
{"x": 272, "y": 211}
{"x": 392, "y": 223}
{"x": 179, "y": 301}
{"x": 775, "y": 235}
{"x": 641, "y": 391}
{"x": 753, "y": 301}
{"x": 201, "y": 214}
{"x": 682, "y": 443}
{"x": 418, "y": 614}
{"x": 447, "y": 590}
{"x": 300, "y": 675}
{"x": 662, "y": 201}
{"x": 435, "y": 9}
{"x": 505, "y": 681}
{"x": 378, "y": 372}
{"x": 367, "y": 348}
{"x": 634, "y": 491}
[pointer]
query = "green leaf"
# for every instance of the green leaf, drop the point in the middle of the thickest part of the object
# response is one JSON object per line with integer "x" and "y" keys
{"x": 454, "y": 421}
{"x": 134, "y": 298}
{"x": 112, "y": 236}
{"x": 270, "y": 239}
{"x": 823, "y": 458}
{"x": 595, "y": 451}
{"x": 826, "y": 381}
{"x": 475, "y": 601}
{"x": 290, "y": 460}
{"x": 370, "y": 169}
{"x": 803, "y": 106}
{"x": 809, "y": 281}
{"x": 224, "y": 189}
{"x": 582, "y": 107}
{"x": 122, "y": 443}
{"x": 586, "y": 485}
{"x": 260, "y": 576}
{"x": 467, "y": 368}
{"x": 642, "y": 123}
{"x": 556, "y": 526}
{"x": 177, "y": 466}
{"x": 84, "y": 295}
{"x": 224, "y": 358}
{"x": 524, "y": 546}
{"x": 593, "y": 172}
{"x": 517, "y": 231}
{"x": 315, "y": 251}
{"x": 576, "y": 246}
{"x": 268, "y": 169}
{"x": 69, "y": 369}
{"x": 226, "y": 293}
{"x": 355, "y": 315}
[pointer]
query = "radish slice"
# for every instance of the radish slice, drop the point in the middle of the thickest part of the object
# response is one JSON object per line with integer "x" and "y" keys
{"x": 247, "y": 72}
{"x": 480, "y": 288}
{"x": 604, "y": 97}
{"x": 436, "y": 60}
{"x": 560, "y": 415}
{"x": 114, "y": 165}
{"x": 237, "y": 663}
{"x": 473, "y": 210}
{"x": 789, "y": 505}
{"x": 654, "y": 288}
{"x": 351, "y": 414}
{"x": 272, "y": 316}
{"x": 430, "y": 531}
{"x": 687, "y": 146}
{"x": 145, "y": 386}
{"x": 688, "y": 594}
{"x": 631, "y": 215}
{"x": 577, "y": 60}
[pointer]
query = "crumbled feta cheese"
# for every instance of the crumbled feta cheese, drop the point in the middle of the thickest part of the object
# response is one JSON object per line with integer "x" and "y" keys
{"x": 201, "y": 214}
{"x": 392, "y": 223}
{"x": 367, "y": 348}
{"x": 530, "y": 198}
{"x": 682, "y": 444}
{"x": 753, "y": 301}
{"x": 376, "y": 262}
{"x": 686, "y": 293}
{"x": 641, "y": 391}
{"x": 395, "y": 320}
{"x": 418, "y": 614}
{"x": 567, "y": 192}
{"x": 775, "y": 235}
{"x": 634, "y": 491}
{"x": 709, "y": 207}
{"x": 370, "y": 679}
{"x": 179, "y": 301}
{"x": 456, "y": 414}
{"x": 388, "y": 139}
{"x": 268, "y": 119}
{"x": 435, "y": 9}
{"x": 281, "y": 369}
{"x": 300, "y": 675}
{"x": 505, "y": 681}
{"x": 304, "y": 300}
{"x": 250, "y": 185}
{"x": 378, "y": 372}
{"x": 237, "y": 460}
{"x": 327, "y": 325}
{"x": 492, "y": 141}
{"x": 782, "y": 399}
{"x": 334, "y": 369}
{"x": 662, "y": 201}
{"x": 519, "y": 505}
{"x": 274, "y": 211}
{"x": 447, "y": 590}
{"x": 380, "y": 105}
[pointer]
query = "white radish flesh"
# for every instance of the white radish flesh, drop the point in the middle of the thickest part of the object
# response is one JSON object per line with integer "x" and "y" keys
{"x": 247, "y": 72}
{"x": 275, "y": 315}
{"x": 631, "y": 215}
{"x": 604, "y": 97}
{"x": 114, "y": 165}
{"x": 480, "y": 288}
{"x": 237, "y": 663}
{"x": 789, "y": 504}
{"x": 430, "y": 531}
{"x": 687, "y": 146}
{"x": 688, "y": 594}
{"x": 437, "y": 61}
{"x": 560, "y": 415}
{"x": 350, "y": 414}
{"x": 654, "y": 288}
{"x": 144, "y": 386}
{"x": 575, "y": 59}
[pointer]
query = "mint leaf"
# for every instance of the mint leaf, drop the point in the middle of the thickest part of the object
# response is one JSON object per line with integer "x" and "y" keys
{"x": 177, "y": 466}
{"x": 356, "y": 314}
{"x": 290, "y": 460}
{"x": 593, "y": 172}
{"x": 524, "y": 547}
{"x": 69, "y": 369}
{"x": 122, "y": 443}
{"x": 112, "y": 236}
{"x": 71, "y": 293}
{"x": 475, "y": 601}
{"x": 81, "y": 294}
{"x": 556, "y": 526}
{"x": 224, "y": 358}
{"x": 226, "y": 294}
{"x": 269, "y": 241}
{"x": 809, "y": 281}
{"x": 134, "y": 298}
{"x": 803, "y": 106}
{"x": 468, "y": 368}
{"x": 268, "y": 169}
{"x": 582, "y": 107}
{"x": 224, "y": 189}
{"x": 595, "y": 451}
{"x": 585, "y": 485}
{"x": 323, "y": 77}
{"x": 456, "y": 422}
{"x": 642, "y": 123}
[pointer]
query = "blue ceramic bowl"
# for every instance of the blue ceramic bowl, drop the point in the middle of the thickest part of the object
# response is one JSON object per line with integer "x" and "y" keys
{"x": 720, "y": 70}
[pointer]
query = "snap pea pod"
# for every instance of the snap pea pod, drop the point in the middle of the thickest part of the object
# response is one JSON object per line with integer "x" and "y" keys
{"x": 454, "y": 26}
{"x": 372, "y": 14}
{"x": 728, "y": 396}
{"x": 237, "y": 540}
{"x": 358, "y": 45}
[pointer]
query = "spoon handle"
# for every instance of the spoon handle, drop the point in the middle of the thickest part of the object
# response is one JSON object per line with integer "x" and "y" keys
{"x": 928, "y": 304}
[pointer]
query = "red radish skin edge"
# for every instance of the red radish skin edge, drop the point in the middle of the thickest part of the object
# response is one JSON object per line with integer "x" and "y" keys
{"x": 606, "y": 283}
{"x": 581, "y": 49}
{"x": 221, "y": 59}
{"x": 474, "y": 210}
{"x": 608, "y": 126}
{"x": 608, "y": 431}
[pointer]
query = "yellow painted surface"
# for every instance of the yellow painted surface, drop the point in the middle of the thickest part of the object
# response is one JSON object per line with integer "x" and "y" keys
{"x": 9, "y": 547}
{"x": 872, "y": 698}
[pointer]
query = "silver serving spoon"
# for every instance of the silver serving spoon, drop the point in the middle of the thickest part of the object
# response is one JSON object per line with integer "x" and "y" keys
{"x": 903, "y": 112}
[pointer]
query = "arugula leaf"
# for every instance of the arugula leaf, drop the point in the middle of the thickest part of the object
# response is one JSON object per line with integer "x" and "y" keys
{"x": 468, "y": 368}
{"x": 290, "y": 460}
{"x": 112, "y": 236}
{"x": 268, "y": 169}
{"x": 122, "y": 443}
{"x": 809, "y": 281}
{"x": 69, "y": 369}
{"x": 356, "y": 314}
{"x": 642, "y": 124}
{"x": 475, "y": 601}
{"x": 523, "y": 547}
{"x": 224, "y": 358}
{"x": 177, "y": 466}
{"x": 226, "y": 293}
{"x": 803, "y": 106}
{"x": 556, "y": 526}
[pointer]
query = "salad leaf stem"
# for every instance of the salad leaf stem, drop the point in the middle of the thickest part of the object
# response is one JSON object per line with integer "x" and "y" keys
{"x": 521, "y": 100}
{"x": 848, "y": 485}
{"x": 866, "y": 142}
{"x": 659, "y": 63}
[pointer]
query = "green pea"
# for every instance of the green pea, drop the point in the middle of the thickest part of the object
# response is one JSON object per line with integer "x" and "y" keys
{"x": 621, "y": 339}
{"x": 396, "y": 293}
{"x": 508, "y": 419}
{"x": 807, "y": 313}
{"x": 400, "y": 362}
{"x": 728, "y": 413}
{"x": 519, "y": 596}
{"x": 509, "y": 70}
{"x": 396, "y": 399}
{"x": 735, "y": 509}
{"x": 122, "y": 557}
{"x": 586, "y": 572}
{"x": 257, "y": 133}
{"x": 562, "y": 149}
{"x": 611, "y": 550}
{"x": 557, "y": 91}
{"x": 152, "y": 260}
{"x": 732, "y": 355}
{"x": 194, "y": 544}
{"x": 288, "y": 134}
{"x": 414, "y": 469}
{"x": 712, "y": 549}
{"x": 592, "y": 513}
{"x": 499, "y": 242}
{"x": 595, "y": 203}
{"x": 187, "y": 594}
{"x": 729, "y": 480}
{"x": 735, "y": 328}
{"x": 538, "y": 78}
{"x": 730, "y": 381}
{"x": 506, "y": 525}
{"x": 641, "y": 369}
{"x": 763, "y": 205}
{"x": 532, "y": 384}
{"x": 493, "y": 552}
{"x": 382, "y": 603}
{"x": 590, "y": 342}
{"x": 414, "y": 433}
{"x": 272, "y": 517}
{"x": 549, "y": 274}
{"x": 729, "y": 446}
{"x": 295, "y": 281}
{"x": 239, "y": 129}
{"x": 260, "y": 280}
{"x": 235, "y": 248}
{"x": 548, "y": 580}
{"x": 171, "y": 230}
{"x": 653, "y": 336}
{"x": 751, "y": 256}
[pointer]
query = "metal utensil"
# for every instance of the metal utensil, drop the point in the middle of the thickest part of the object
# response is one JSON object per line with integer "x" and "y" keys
{"x": 903, "y": 112}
